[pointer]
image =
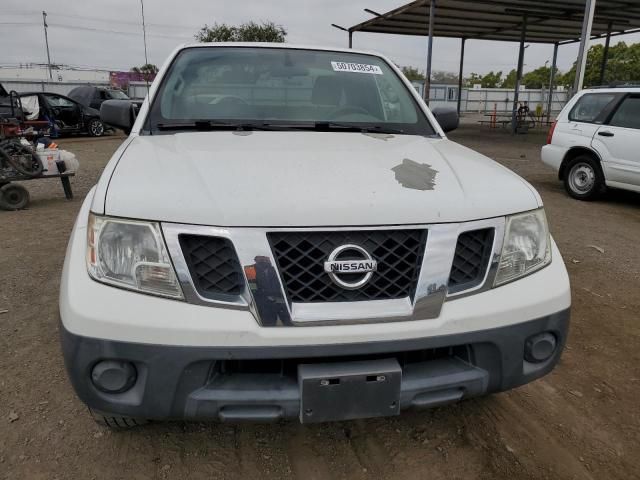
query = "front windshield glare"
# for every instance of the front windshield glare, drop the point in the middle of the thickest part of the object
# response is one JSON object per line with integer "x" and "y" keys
{"x": 287, "y": 87}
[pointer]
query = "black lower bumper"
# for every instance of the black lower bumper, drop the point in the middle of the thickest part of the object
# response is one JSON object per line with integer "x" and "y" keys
{"x": 262, "y": 383}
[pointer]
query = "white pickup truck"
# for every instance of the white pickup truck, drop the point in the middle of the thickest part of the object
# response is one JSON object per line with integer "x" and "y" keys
{"x": 288, "y": 233}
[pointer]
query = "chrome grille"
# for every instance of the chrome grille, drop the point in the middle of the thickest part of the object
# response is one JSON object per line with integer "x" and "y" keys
{"x": 300, "y": 257}
{"x": 471, "y": 259}
{"x": 213, "y": 265}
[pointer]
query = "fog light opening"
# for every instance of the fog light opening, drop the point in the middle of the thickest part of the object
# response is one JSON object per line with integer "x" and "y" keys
{"x": 541, "y": 347}
{"x": 114, "y": 376}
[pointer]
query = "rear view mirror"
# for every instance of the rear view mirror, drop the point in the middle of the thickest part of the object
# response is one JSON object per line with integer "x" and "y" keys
{"x": 447, "y": 118}
{"x": 119, "y": 113}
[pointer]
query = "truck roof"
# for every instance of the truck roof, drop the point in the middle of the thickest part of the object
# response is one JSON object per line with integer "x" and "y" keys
{"x": 286, "y": 46}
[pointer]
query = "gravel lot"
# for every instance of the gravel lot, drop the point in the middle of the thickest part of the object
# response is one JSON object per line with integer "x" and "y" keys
{"x": 582, "y": 421}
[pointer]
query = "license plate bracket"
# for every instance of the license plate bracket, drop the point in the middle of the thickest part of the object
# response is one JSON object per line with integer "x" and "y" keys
{"x": 349, "y": 390}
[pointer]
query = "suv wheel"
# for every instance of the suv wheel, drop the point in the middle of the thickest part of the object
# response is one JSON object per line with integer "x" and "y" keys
{"x": 583, "y": 178}
{"x": 96, "y": 128}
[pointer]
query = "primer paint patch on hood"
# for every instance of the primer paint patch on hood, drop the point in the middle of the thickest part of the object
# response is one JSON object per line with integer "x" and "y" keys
{"x": 418, "y": 176}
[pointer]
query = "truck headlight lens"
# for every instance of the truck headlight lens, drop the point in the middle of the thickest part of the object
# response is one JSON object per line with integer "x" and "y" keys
{"x": 527, "y": 246}
{"x": 130, "y": 254}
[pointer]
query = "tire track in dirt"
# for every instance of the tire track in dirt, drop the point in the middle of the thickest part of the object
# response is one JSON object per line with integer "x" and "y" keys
{"x": 370, "y": 451}
{"x": 530, "y": 443}
{"x": 245, "y": 452}
{"x": 320, "y": 452}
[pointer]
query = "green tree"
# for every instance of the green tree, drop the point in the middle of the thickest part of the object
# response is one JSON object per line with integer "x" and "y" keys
{"x": 472, "y": 80}
{"x": 510, "y": 80}
{"x": 246, "y": 32}
{"x": 444, "y": 78}
{"x": 623, "y": 65}
{"x": 490, "y": 80}
{"x": 537, "y": 78}
{"x": 412, "y": 73}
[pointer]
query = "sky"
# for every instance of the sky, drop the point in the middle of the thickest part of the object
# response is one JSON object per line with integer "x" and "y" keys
{"x": 107, "y": 33}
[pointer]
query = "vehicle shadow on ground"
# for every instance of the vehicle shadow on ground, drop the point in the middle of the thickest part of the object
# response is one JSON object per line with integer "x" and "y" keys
{"x": 387, "y": 447}
{"x": 621, "y": 197}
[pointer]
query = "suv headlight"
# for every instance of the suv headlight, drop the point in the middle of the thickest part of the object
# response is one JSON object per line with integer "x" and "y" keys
{"x": 130, "y": 254}
{"x": 526, "y": 248}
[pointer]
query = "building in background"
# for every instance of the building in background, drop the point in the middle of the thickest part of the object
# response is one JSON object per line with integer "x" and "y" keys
{"x": 35, "y": 77}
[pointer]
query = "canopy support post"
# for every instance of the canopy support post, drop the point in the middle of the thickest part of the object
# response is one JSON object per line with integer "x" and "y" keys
{"x": 552, "y": 78}
{"x": 460, "y": 73}
{"x": 581, "y": 63}
{"x": 514, "y": 111}
{"x": 427, "y": 80}
{"x": 350, "y": 38}
{"x": 605, "y": 54}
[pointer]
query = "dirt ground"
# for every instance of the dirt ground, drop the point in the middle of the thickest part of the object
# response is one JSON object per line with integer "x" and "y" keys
{"x": 581, "y": 422}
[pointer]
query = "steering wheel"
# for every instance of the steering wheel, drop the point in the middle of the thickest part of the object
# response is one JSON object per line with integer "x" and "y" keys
{"x": 349, "y": 110}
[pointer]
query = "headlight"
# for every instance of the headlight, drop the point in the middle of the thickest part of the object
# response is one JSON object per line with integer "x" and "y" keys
{"x": 130, "y": 254}
{"x": 527, "y": 246}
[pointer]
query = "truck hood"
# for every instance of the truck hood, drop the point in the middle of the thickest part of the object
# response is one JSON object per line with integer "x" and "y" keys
{"x": 288, "y": 179}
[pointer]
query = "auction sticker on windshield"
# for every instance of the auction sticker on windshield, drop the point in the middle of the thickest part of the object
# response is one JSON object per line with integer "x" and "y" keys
{"x": 356, "y": 67}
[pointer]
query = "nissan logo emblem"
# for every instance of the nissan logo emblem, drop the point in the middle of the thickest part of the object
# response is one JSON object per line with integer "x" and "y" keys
{"x": 350, "y": 273}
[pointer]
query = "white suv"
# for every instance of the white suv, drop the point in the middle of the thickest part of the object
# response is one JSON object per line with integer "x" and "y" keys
{"x": 288, "y": 232}
{"x": 595, "y": 142}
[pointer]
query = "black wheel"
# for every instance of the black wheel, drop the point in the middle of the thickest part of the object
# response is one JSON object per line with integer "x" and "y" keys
{"x": 116, "y": 422}
{"x": 583, "y": 178}
{"x": 13, "y": 197}
{"x": 95, "y": 128}
{"x": 21, "y": 158}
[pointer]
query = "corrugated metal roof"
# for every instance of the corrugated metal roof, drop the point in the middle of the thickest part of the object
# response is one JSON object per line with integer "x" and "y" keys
{"x": 548, "y": 21}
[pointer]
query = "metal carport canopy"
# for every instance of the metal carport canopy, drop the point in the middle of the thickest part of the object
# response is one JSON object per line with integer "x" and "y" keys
{"x": 555, "y": 22}
{"x": 548, "y": 21}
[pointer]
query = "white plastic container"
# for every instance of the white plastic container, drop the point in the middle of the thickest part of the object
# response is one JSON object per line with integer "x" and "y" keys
{"x": 49, "y": 159}
{"x": 70, "y": 161}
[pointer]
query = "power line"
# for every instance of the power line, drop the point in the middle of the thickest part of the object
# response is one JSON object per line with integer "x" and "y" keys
{"x": 20, "y": 23}
{"x": 106, "y": 20}
{"x": 98, "y": 30}
{"x": 124, "y": 22}
{"x": 118, "y": 32}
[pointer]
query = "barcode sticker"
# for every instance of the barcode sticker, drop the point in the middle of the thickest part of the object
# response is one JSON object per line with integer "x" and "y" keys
{"x": 356, "y": 68}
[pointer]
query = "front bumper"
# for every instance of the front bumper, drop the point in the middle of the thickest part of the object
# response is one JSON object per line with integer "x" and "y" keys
{"x": 181, "y": 382}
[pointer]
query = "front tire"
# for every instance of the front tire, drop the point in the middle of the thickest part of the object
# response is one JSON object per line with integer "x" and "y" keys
{"x": 584, "y": 179}
{"x": 95, "y": 128}
{"x": 13, "y": 197}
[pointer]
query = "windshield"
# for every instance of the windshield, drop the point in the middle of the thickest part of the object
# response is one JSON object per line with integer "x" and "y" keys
{"x": 289, "y": 88}
{"x": 118, "y": 95}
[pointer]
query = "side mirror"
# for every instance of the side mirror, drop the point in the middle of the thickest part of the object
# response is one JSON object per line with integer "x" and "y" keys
{"x": 447, "y": 118}
{"x": 119, "y": 113}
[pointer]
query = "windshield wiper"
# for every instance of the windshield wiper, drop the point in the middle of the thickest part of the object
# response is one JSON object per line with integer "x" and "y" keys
{"x": 356, "y": 128}
{"x": 205, "y": 125}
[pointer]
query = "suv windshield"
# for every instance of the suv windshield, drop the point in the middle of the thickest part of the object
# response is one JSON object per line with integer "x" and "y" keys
{"x": 284, "y": 88}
